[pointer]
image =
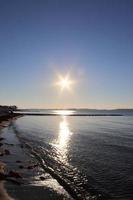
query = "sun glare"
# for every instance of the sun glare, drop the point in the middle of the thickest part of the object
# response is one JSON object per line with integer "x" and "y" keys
{"x": 65, "y": 82}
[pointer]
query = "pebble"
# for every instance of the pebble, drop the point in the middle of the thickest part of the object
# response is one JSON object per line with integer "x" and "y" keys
{"x": 18, "y": 161}
{"x": 42, "y": 178}
{"x": 7, "y": 152}
{"x": 21, "y": 166}
{"x": 14, "y": 174}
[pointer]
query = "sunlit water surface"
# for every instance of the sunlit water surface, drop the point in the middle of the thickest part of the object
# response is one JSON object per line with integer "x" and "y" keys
{"x": 92, "y": 154}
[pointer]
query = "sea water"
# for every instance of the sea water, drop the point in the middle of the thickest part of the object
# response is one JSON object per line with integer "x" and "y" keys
{"x": 88, "y": 156}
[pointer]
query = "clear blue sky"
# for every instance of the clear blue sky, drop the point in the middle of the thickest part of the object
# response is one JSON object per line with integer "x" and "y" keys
{"x": 90, "y": 39}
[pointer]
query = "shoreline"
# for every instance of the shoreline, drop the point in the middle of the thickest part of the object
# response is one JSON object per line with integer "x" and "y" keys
{"x": 9, "y": 116}
{"x": 4, "y": 122}
{"x": 32, "y": 179}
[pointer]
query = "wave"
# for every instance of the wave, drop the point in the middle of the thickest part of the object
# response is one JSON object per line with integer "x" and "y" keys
{"x": 70, "y": 178}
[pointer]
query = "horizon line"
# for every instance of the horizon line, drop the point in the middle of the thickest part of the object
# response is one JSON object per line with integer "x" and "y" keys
{"x": 77, "y": 108}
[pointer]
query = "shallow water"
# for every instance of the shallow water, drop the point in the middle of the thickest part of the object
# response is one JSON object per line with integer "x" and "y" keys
{"x": 88, "y": 156}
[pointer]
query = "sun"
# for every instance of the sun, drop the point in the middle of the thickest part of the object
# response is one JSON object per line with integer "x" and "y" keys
{"x": 65, "y": 83}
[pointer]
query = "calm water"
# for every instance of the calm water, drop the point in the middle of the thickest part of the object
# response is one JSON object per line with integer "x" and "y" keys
{"x": 89, "y": 156}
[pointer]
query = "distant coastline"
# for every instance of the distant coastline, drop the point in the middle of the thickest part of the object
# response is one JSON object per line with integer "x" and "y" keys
{"x": 77, "y": 112}
{"x": 7, "y": 112}
{"x": 48, "y": 114}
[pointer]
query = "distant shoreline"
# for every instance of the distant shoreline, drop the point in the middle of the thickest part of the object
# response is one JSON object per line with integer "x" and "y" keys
{"x": 76, "y": 115}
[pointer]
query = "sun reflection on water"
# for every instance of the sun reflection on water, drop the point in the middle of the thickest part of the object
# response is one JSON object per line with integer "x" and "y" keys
{"x": 64, "y": 112}
{"x": 63, "y": 138}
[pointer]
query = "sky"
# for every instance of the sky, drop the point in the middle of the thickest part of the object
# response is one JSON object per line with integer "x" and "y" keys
{"x": 91, "y": 40}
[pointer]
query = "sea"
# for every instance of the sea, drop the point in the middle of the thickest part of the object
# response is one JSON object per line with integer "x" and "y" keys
{"x": 90, "y": 155}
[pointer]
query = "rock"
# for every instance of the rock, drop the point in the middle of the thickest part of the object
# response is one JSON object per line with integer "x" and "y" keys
{"x": 1, "y": 144}
{"x": 14, "y": 174}
{"x": 30, "y": 167}
{"x": 1, "y": 138}
{"x": 2, "y": 167}
{"x": 36, "y": 165}
{"x": 1, "y": 154}
{"x": 18, "y": 161}
{"x": 2, "y": 176}
{"x": 9, "y": 144}
{"x": 21, "y": 166}
{"x": 2, "y": 171}
{"x": 42, "y": 178}
{"x": 7, "y": 152}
